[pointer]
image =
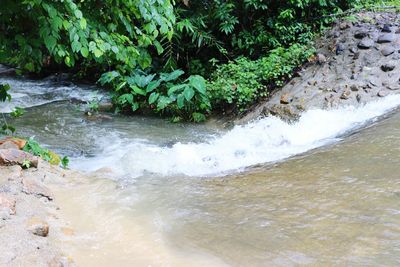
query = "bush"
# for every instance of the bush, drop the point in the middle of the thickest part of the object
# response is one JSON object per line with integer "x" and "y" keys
{"x": 240, "y": 83}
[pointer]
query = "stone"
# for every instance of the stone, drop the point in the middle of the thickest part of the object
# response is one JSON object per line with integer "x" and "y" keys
{"x": 382, "y": 93}
{"x": 388, "y": 67}
{"x": 387, "y": 50}
{"x": 360, "y": 34}
{"x": 354, "y": 88}
{"x": 386, "y": 28}
{"x": 286, "y": 99}
{"x": 38, "y": 226}
{"x": 8, "y": 145}
{"x": 358, "y": 98}
{"x": 346, "y": 94}
{"x": 386, "y": 38}
{"x": 344, "y": 25}
{"x": 321, "y": 59}
{"x": 105, "y": 107}
{"x": 19, "y": 143}
{"x": 366, "y": 43}
{"x": 7, "y": 204}
{"x": 340, "y": 48}
{"x": 33, "y": 187}
{"x": 9, "y": 157}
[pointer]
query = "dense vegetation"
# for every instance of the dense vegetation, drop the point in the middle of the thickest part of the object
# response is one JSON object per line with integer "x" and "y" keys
{"x": 184, "y": 59}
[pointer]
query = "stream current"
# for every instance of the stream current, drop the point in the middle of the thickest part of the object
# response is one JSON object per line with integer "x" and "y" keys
{"x": 324, "y": 191}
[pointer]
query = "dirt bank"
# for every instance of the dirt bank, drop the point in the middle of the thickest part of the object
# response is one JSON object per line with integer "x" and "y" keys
{"x": 30, "y": 223}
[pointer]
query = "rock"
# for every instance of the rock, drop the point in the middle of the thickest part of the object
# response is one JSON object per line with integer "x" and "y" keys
{"x": 388, "y": 67}
{"x": 321, "y": 59}
{"x": 340, "y": 48}
{"x": 105, "y": 107}
{"x": 387, "y": 50}
{"x": 365, "y": 43}
{"x": 8, "y": 145}
{"x": 354, "y": 88}
{"x": 382, "y": 93}
{"x": 344, "y": 25}
{"x": 358, "y": 98}
{"x": 37, "y": 226}
{"x": 7, "y": 204}
{"x": 33, "y": 187}
{"x": 386, "y": 28}
{"x": 386, "y": 38}
{"x": 19, "y": 143}
{"x": 11, "y": 156}
{"x": 360, "y": 34}
{"x": 286, "y": 99}
{"x": 346, "y": 94}
{"x": 353, "y": 50}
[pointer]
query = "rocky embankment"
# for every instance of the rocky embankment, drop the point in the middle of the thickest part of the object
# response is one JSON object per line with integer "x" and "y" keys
{"x": 29, "y": 220}
{"x": 358, "y": 60}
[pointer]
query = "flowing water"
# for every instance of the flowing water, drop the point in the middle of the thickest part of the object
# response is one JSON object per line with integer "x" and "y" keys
{"x": 324, "y": 191}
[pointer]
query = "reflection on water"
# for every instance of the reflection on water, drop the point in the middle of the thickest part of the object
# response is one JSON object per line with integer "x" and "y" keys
{"x": 338, "y": 205}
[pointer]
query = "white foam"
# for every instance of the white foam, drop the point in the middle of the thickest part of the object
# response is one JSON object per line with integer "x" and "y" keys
{"x": 265, "y": 140}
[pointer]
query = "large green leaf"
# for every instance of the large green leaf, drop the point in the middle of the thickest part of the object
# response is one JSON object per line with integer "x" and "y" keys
{"x": 188, "y": 93}
{"x": 171, "y": 76}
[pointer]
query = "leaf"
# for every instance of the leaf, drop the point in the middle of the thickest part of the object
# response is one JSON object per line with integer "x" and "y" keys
{"x": 198, "y": 83}
{"x": 180, "y": 101}
{"x": 83, "y": 23}
{"x": 188, "y": 93}
{"x": 98, "y": 53}
{"x": 152, "y": 85}
{"x": 171, "y": 76}
{"x": 163, "y": 102}
{"x": 153, "y": 97}
{"x": 198, "y": 117}
{"x": 76, "y": 46}
{"x": 125, "y": 98}
{"x": 84, "y": 52}
{"x": 176, "y": 88}
{"x": 137, "y": 90}
{"x": 142, "y": 80}
{"x": 135, "y": 106}
{"x": 78, "y": 13}
{"x": 50, "y": 42}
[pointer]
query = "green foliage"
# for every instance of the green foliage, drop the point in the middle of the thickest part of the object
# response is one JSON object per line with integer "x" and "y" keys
{"x": 65, "y": 162}
{"x": 17, "y": 112}
{"x": 34, "y": 148}
{"x": 163, "y": 93}
{"x": 26, "y": 164}
{"x": 241, "y": 82}
{"x": 5, "y": 96}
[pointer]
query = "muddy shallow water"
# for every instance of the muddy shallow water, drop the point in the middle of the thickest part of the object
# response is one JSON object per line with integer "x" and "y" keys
{"x": 336, "y": 204}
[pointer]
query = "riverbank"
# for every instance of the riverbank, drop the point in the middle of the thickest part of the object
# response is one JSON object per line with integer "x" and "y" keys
{"x": 30, "y": 222}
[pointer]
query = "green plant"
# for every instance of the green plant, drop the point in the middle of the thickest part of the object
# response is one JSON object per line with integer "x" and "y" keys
{"x": 26, "y": 164}
{"x": 5, "y": 96}
{"x": 162, "y": 93}
{"x": 65, "y": 162}
{"x": 33, "y": 147}
{"x": 17, "y": 112}
{"x": 240, "y": 83}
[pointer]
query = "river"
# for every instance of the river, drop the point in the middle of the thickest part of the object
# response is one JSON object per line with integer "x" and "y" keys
{"x": 324, "y": 191}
